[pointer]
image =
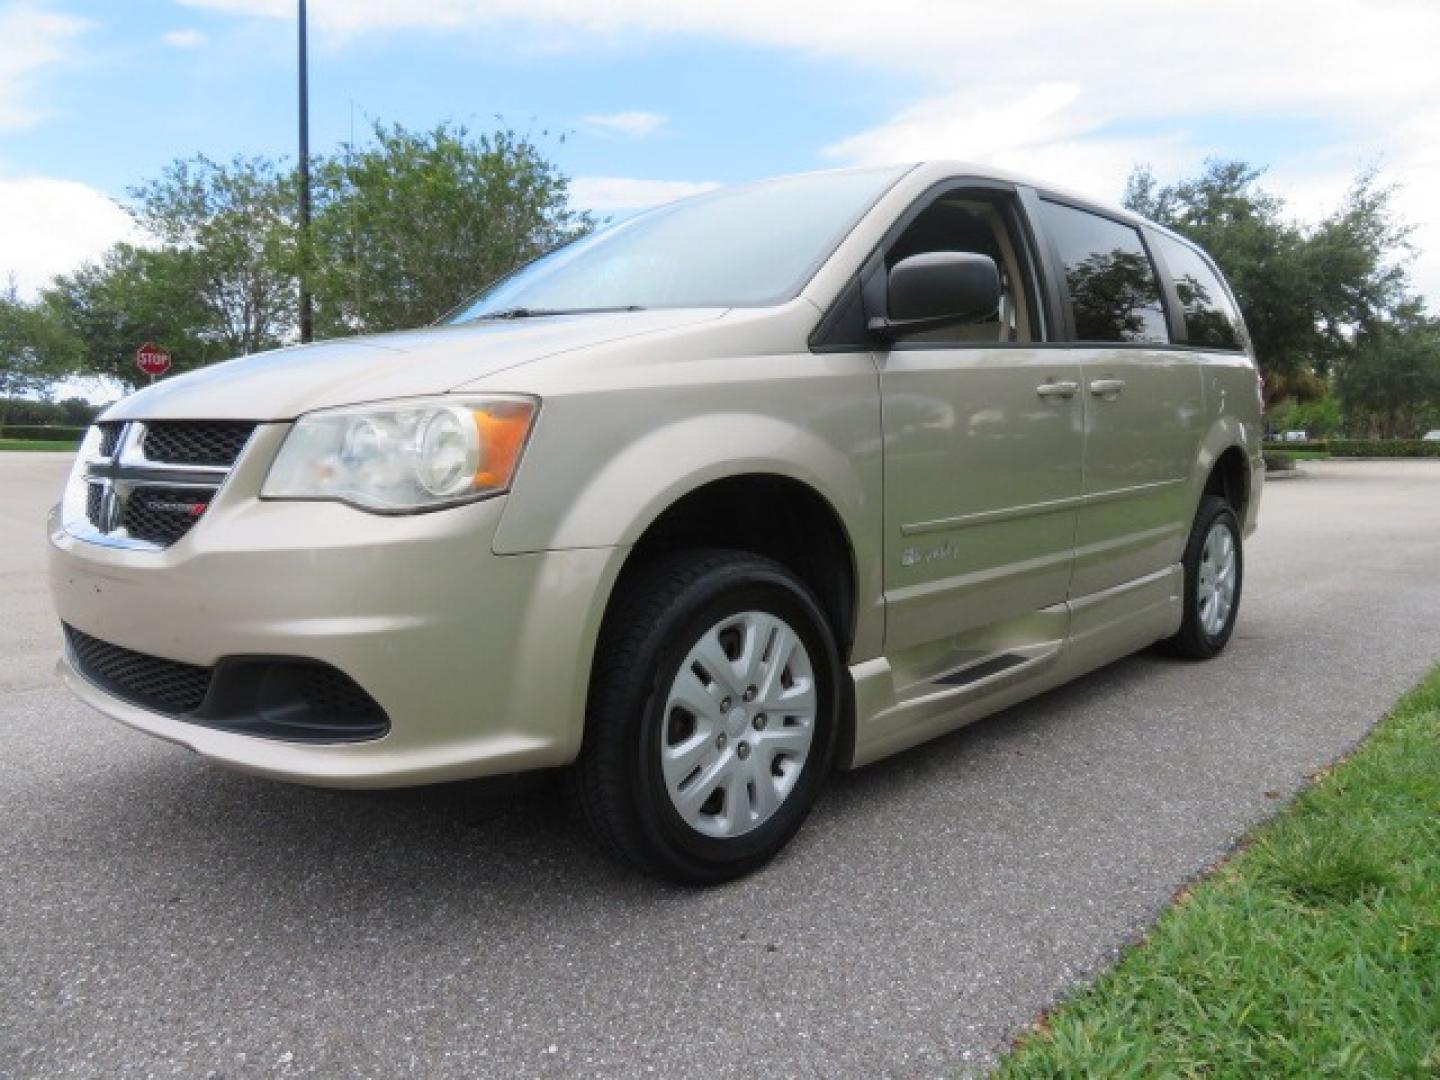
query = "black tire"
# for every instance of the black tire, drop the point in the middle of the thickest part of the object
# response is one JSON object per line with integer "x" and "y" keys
{"x": 655, "y": 619}
{"x": 1194, "y": 642}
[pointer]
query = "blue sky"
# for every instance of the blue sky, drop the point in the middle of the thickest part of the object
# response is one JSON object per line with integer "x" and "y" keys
{"x": 656, "y": 98}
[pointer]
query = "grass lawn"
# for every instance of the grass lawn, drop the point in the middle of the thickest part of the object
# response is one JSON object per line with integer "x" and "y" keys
{"x": 1313, "y": 952}
{"x": 36, "y": 444}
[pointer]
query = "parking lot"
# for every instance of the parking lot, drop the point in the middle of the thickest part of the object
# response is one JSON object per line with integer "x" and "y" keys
{"x": 161, "y": 917}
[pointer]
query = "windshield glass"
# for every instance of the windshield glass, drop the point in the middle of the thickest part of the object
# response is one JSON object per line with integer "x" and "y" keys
{"x": 736, "y": 247}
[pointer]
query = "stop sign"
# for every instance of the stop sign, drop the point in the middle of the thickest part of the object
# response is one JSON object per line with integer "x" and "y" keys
{"x": 152, "y": 359}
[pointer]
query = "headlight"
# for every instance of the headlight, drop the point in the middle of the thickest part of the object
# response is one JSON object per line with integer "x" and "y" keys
{"x": 404, "y": 456}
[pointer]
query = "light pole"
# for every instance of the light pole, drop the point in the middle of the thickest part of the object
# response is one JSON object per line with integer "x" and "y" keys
{"x": 307, "y": 313}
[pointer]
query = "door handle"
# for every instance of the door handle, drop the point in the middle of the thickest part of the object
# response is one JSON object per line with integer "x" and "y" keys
{"x": 1107, "y": 388}
{"x": 1065, "y": 389}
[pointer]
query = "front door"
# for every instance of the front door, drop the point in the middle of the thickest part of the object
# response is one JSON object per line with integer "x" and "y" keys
{"x": 983, "y": 450}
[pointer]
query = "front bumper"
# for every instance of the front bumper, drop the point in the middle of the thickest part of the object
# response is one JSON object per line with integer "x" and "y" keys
{"x": 480, "y": 661}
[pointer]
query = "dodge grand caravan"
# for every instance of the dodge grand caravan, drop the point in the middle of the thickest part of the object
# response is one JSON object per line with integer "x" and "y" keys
{"x": 769, "y": 481}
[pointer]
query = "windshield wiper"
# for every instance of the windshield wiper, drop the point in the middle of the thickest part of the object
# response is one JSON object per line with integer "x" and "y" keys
{"x": 535, "y": 313}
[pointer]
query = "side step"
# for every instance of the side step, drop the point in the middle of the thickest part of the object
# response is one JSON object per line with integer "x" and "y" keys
{"x": 890, "y": 718}
{"x": 983, "y": 670}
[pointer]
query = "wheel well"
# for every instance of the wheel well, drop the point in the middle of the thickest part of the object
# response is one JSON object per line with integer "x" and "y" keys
{"x": 774, "y": 516}
{"x": 1230, "y": 479}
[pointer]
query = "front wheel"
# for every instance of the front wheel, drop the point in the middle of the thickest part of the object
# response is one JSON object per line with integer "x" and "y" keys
{"x": 1214, "y": 570}
{"x": 712, "y": 716}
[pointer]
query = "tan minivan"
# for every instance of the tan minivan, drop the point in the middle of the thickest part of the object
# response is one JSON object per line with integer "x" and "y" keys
{"x": 776, "y": 479}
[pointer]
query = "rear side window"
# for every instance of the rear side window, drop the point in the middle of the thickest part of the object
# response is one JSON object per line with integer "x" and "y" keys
{"x": 1210, "y": 317}
{"x": 1113, "y": 290}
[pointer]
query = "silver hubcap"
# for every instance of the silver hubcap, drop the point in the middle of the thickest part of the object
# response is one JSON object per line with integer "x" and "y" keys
{"x": 738, "y": 724}
{"x": 1215, "y": 594}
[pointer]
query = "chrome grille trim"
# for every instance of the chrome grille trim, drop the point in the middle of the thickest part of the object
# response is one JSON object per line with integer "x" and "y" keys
{"x": 97, "y": 507}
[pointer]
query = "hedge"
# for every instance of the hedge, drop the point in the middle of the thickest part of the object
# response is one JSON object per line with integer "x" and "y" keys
{"x": 1358, "y": 448}
{"x": 1314, "y": 446}
{"x": 67, "y": 413}
{"x": 1384, "y": 448}
{"x": 42, "y": 432}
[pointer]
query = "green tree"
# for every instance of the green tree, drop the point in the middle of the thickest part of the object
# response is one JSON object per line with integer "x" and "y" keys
{"x": 1305, "y": 291}
{"x": 1389, "y": 380}
{"x": 216, "y": 281}
{"x": 1321, "y": 417}
{"x": 406, "y": 227}
{"x": 35, "y": 350}
{"x": 232, "y": 234}
{"x": 412, "y": 223}
{"x": 133, "y": 295}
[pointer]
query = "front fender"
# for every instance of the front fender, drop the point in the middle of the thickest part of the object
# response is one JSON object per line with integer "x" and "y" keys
{"x": 621, "y": 498}
{"x": 602, "y": 468}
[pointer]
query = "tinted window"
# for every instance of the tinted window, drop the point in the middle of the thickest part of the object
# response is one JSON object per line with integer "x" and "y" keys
{"x": 1210, "y": 317}
{"x": 757, "y": 244}
{"x": 1114, "y": 293}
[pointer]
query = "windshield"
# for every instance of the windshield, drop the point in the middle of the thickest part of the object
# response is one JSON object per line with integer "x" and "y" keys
{"x": 737, "y": 247}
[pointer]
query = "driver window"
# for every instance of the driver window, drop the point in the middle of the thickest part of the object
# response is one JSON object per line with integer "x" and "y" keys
{"x": 972, "y": 223}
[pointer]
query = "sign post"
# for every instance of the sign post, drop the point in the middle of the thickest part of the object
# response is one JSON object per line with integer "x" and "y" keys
{"x": 152, "y": 359}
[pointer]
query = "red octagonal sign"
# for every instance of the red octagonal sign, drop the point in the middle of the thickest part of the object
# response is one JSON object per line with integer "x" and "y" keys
{"x": 152, "y": 359}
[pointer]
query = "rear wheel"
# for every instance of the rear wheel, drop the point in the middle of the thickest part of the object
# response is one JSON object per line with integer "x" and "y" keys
{"x": 712, "y": 716}
{"x": 1214, "y": 570}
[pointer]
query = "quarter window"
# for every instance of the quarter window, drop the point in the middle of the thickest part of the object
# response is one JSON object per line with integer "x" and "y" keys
{"x": 1114, "y": 292}
{"x": 1210, "y": 317}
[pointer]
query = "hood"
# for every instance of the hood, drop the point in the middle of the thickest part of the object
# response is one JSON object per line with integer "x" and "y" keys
{"x": 282, "y": 384}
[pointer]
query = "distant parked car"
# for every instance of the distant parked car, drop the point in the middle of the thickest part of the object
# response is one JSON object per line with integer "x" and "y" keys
{"x": 1431, "y": 436}
{"x": 1294, "y": 436}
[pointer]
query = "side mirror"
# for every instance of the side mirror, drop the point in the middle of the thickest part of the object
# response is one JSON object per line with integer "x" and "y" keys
{"x": 936, "y": 289}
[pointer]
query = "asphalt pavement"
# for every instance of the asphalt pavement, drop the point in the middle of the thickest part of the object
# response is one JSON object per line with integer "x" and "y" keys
{"x": 160, "y": 917}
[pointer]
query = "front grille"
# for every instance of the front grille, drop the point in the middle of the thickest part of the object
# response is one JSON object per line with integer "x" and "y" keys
{"x": 295, "y": 699}
{"x": 196, "y": 442}
{"x": 94, "y": 493}
{"x": 109, "y": 438}
{"x": 162, "y": 515}
{"x": 150, "y": 482}
{"x": 166, "y": 686}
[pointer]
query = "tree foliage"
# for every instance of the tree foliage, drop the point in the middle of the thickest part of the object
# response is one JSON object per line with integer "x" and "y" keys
{"x": 1389, "y": 382}
{"x": 35, "y": 350}
{"x": 131, "y": 296}
{"x": 406, "y": 227}
{"x": 414, "y": 222}
{"x": 217, "y": 279}
{"x": 232, "y": 232}
{"x": 1320, "y": 417}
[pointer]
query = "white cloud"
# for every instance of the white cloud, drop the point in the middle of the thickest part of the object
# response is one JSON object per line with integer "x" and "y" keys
{"x": 633, "y": 125}
{"x": 1384, "y": 44}
{"x": 49, "y": 227}
{"x": 603, "y": 193}
{"x": 1045, "y": 85}
{"x": 1045, "y": 131}
{"x": 31, "y": 38}
{"x": 184, "y": 39}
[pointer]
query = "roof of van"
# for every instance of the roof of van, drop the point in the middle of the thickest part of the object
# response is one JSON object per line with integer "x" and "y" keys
{"x": 940, "y": 169}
